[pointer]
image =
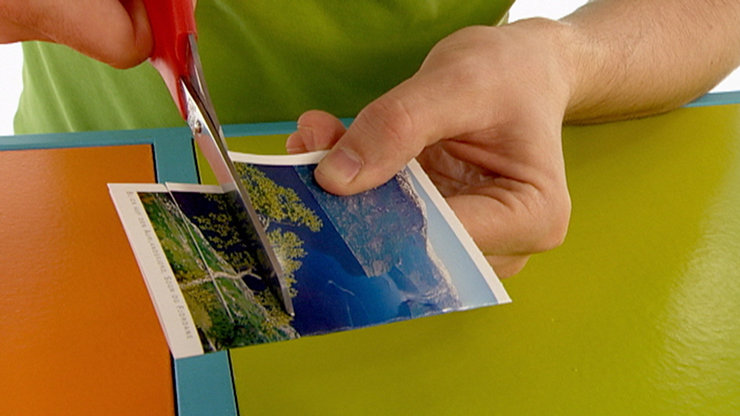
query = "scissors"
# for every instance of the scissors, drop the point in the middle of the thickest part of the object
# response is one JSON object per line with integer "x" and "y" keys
{"x": 175, "y": 56}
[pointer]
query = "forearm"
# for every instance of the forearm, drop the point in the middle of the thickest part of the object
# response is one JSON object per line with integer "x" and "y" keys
{"x": 631, "y": 58}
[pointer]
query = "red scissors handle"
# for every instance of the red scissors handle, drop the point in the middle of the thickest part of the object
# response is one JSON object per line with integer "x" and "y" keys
{"x": 172, "y": 22}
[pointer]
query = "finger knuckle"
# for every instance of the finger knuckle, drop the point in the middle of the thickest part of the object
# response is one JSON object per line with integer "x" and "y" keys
{"x": 554, "y": 228}
{"x": 125, "y": 57}
{"x": 391, "y": 121}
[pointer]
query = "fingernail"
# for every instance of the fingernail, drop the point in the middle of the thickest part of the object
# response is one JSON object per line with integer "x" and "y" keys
{"x": 341, "y": 165}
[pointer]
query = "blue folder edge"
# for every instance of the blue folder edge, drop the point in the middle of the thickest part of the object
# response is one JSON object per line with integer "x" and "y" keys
{"x": 716, "y": 98}
{"x": 174, "y": 156}
{"x": 203, "y": 384}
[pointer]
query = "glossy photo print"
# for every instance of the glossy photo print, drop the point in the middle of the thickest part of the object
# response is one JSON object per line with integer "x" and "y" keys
{"x": 393, "y": 253}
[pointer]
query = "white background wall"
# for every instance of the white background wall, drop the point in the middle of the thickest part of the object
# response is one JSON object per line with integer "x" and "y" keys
{"x": 10, "y": 57}
{"x": 10, "y": 85}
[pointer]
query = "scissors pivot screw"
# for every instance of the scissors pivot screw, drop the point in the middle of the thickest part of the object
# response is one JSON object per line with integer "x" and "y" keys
{"x": 197, "y": 127}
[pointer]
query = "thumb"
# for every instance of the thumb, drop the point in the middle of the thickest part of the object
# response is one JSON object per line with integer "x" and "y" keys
{"x": 384, "y": 137}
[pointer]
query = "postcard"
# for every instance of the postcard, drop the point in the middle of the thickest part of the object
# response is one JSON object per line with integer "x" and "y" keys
{"x": 392, "y": 253}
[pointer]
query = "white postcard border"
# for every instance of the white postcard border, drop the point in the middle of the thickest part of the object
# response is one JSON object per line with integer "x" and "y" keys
{"x": 499, "y": 292}
{"x": 174, "y": 315}
{"x": 297, "y": 159}
{"x": 192, "y": 187}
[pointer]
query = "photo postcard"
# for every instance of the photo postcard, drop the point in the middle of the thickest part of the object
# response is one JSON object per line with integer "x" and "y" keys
{"x": 395, "y": 252}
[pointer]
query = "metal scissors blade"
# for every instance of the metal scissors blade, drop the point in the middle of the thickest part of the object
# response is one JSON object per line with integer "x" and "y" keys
{"x": 209, "y": 136}
{"x": 175, "y": 55}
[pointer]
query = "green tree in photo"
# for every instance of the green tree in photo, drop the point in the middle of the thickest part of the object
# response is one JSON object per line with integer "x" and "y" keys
{"x": 275, "y": 203}
{"x": 222, "y": 233}
{"x": 278, "y": 206}
{"x": 213, "y": 263}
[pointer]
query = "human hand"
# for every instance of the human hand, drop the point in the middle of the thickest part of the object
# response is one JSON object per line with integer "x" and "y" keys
{"x": 112, "y": 31}
{"x": 483, "y": 116}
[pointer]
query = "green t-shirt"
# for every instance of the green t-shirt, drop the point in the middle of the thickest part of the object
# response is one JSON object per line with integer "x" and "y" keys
{"x": 263, "y": 61}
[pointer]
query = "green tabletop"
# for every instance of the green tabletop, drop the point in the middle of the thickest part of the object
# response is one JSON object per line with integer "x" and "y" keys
{"x": 638, "y": 312}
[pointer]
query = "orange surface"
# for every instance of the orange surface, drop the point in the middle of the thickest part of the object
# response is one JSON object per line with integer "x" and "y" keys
{"x": 78, "y": 333}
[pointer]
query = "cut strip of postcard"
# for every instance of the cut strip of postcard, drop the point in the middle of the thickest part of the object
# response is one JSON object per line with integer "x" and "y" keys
{"x": 392, "y": 253}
